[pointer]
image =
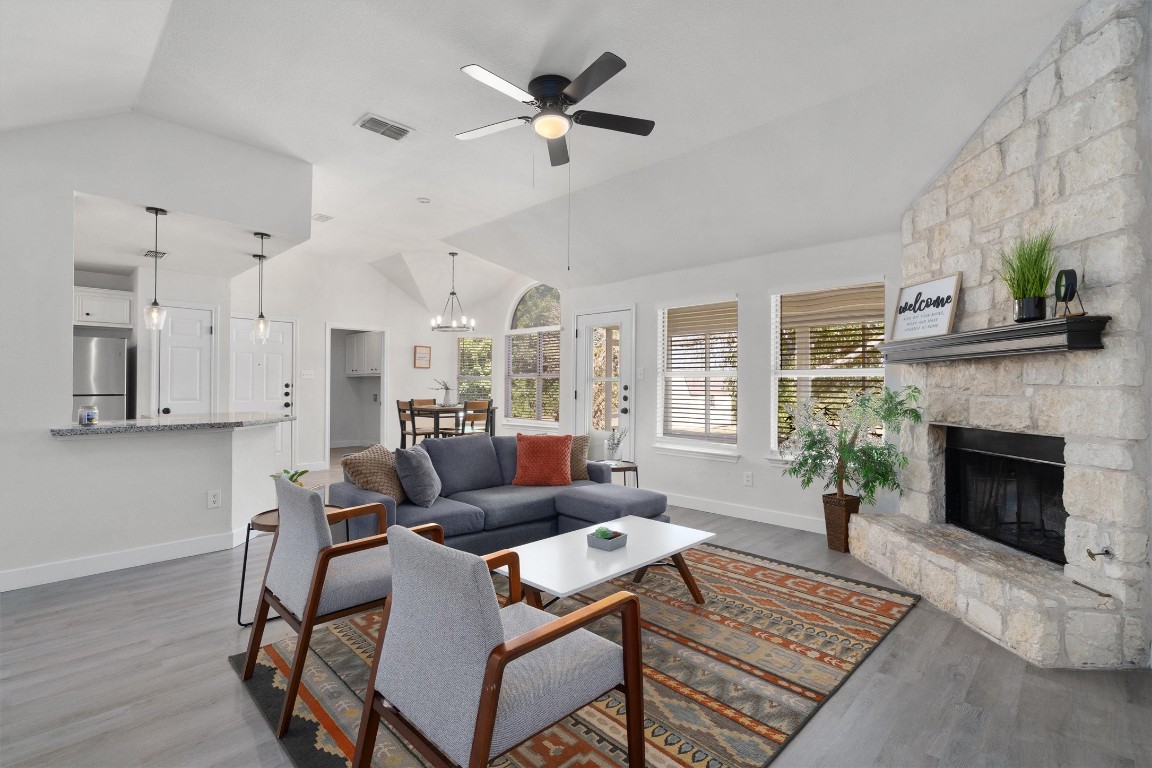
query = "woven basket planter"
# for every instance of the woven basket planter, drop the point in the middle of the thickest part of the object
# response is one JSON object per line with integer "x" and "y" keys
{"x": 836, "y": 513}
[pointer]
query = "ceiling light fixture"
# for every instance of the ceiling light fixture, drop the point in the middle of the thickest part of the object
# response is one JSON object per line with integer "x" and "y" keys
{"x": 551, "y": 123}
{"x": 453, "y": 310}
{"x": 423, "y": 200}
{"x": 262, "y": 328}
{"x": 154, "y": 314}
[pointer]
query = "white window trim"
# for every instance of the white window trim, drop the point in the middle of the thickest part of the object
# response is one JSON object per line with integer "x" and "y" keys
{"x": 547, "y": 424}
{"x": 774, "y": 456}
{"x": 682, "y": 446}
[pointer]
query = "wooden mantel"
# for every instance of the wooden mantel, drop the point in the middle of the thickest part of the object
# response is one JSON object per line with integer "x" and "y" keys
{"x": 1062, "y": 334}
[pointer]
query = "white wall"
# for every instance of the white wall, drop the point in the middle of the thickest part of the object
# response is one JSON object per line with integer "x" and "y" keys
{"x": 323, "y": 290}
{"x": 92, "y": 500}
{"x": 711, "y": 485}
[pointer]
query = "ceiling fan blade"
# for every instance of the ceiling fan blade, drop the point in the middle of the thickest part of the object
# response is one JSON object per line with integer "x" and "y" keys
{"x": 497, "y": 82}
{"x": 614, "y": 122}
{"x": 598, "y": 72}
{"x": 558, "y": 151}
{"x": 503, "y": 125}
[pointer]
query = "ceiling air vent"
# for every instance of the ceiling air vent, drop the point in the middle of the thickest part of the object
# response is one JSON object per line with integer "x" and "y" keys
{"x": 321, "y": 217}
{"x": 383, "y": 127}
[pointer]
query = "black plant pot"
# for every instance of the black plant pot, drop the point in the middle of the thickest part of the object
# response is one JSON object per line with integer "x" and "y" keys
{"x": 1034, "y": 308}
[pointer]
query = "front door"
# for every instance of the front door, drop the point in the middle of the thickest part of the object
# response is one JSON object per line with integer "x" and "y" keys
{"x": 263, "y": 378}
{"x": 605, "y": 397}
{"x": 186, "y": 369}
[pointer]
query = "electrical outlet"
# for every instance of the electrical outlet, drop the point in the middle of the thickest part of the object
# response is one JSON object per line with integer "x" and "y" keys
{"x": 213, "y": 499}
{"x": 748, "y": 479}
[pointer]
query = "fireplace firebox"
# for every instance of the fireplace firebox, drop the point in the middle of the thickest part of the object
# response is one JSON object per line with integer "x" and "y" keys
{"x": 1007, "y": 487}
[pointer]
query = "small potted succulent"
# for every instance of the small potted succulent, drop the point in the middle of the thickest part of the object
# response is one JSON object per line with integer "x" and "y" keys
{"x": 293, "y": 477}
{"x": 607, "y": 539}
{"x": 1027, "y": 269}
{"x": 845, "y": 447}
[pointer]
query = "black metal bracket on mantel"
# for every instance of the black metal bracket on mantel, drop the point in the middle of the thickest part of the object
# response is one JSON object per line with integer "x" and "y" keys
{"x": 1062, "y": 334}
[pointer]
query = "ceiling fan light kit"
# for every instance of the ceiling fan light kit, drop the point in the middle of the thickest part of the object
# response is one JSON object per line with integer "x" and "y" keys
{"x": 552, "y": 95}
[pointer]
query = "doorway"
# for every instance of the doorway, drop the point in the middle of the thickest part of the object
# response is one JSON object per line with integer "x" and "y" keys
{"x": 605, "y": 397}
{"x": 355, "y": 391}
{"x": 185, "y": 381}
{"x": 264, "y": 379}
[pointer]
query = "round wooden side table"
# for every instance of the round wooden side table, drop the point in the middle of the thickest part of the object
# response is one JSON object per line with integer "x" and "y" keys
{"x": 618, "y": 465}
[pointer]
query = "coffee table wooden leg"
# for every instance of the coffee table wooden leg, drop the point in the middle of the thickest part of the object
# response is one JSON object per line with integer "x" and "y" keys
{"x": 532, "y": 597}
{"x": 686, "y": 574}
{"x": 639, "y": 577}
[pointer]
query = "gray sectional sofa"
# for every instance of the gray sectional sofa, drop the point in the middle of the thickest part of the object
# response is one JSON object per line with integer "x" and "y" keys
{"x": 481, "y": 511}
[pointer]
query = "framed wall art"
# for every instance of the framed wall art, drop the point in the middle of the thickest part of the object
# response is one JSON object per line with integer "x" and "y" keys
{"x": 926, "y": 309}
{"x": 421, "y": 357}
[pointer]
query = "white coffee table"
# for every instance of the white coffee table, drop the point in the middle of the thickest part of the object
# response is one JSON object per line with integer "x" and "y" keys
{"x": 564, "y": 565}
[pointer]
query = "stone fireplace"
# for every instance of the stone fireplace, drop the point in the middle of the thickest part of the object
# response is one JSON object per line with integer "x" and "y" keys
{"x": 1067, "y": 150}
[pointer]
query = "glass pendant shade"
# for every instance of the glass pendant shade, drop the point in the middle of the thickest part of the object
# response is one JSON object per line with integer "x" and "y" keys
{"x": 154, "y": 316}
{"x": 262, "y": 328}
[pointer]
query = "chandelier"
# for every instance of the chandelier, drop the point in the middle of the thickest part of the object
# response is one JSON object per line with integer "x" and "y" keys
{"x": 452, "y": 319}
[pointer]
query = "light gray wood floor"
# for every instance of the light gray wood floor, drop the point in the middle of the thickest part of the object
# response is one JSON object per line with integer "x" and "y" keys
{"x": 129, "y": 669}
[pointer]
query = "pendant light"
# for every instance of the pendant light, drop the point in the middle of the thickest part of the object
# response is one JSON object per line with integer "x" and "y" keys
{"x": 262, "y": 328}
{"x": 154, "y": 314}
{"x": 453, "y": 319}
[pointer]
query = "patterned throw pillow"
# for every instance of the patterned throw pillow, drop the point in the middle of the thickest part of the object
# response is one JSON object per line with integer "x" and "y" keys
{"x": 374, "y": 469}
{"x": 543, "y": 460}
{"x": 580, "y": 457}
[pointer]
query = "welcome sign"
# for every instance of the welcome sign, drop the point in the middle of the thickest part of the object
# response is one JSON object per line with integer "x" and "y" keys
{"x": 926, "y": 309}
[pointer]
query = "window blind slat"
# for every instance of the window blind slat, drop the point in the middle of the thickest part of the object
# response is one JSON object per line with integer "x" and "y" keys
{"x": 836, "y": 306}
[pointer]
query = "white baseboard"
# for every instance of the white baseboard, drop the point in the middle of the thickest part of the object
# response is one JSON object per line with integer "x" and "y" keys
{"x": 349, "y": 443}
{"x": 759, "y": 514}
{"x": 46, "y": 573}
{"x": 238, "y": 535}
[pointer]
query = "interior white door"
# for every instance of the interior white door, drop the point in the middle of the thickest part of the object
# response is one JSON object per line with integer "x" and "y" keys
{"x": 186, "y": 366}
{"x": 605, "y": 397}
{"x": 263, "y": 378}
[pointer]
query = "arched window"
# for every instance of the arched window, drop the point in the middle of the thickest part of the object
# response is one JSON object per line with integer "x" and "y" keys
{"x": 532, "y": 383}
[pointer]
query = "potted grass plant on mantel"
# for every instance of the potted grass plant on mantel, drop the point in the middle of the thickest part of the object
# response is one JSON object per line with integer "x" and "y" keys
{"x": 845, "y": 449}
{"x": 1027, "y": 269}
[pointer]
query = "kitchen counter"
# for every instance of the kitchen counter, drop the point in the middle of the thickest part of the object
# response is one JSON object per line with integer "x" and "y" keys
{"x": 175, "y": 424}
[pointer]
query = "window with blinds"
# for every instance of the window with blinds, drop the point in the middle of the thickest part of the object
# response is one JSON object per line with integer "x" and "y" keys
{"x": 474, "y": 368}
{"x": 532, "y": 362}
{"x": 698, "y": 372}
{"x": 827, "y": 349}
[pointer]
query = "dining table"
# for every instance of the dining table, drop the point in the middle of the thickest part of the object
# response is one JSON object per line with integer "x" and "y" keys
{"x": 456, "y": 412}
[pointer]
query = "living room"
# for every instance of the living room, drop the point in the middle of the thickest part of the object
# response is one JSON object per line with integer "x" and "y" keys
{"x": 801, "y": 151}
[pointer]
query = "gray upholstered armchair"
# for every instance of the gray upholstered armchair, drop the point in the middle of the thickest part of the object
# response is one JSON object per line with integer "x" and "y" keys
{"x": 463, "y": 680}
{"x": 310, "y": 581}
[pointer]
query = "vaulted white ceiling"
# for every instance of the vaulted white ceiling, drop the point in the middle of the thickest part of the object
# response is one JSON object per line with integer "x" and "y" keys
{"x": 778, "y": 124}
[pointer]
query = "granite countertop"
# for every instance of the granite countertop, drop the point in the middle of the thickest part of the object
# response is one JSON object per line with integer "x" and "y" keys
{"x": 175, "y": 424}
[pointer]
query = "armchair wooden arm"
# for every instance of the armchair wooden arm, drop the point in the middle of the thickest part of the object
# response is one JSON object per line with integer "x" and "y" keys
{"x": 512, "y": 560}
{"x": 379, "y": 510}
{"x": 624, "y": 603}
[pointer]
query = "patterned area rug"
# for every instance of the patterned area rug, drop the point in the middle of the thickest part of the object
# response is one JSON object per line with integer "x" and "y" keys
{"x": 727, "y": 683}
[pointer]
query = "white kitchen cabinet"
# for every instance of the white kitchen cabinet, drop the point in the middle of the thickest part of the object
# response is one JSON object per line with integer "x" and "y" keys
{"x": 103, "y": 307}
{"x": 362, "y": 354}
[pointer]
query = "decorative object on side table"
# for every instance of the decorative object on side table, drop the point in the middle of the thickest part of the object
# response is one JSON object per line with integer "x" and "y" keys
{"x": 607, "y": 539}
{"x": 926, "y": 309}
{"x": 421, "y": 356}
{"x": 293, "y": 477}
{"x": 846, "y": 447}
{"x": 446, "y": 398}
{"x": 1027, "y": 270}
{"x": 613, "y": 442}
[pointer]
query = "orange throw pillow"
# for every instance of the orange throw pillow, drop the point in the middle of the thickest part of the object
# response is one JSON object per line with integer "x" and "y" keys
{"x": 543, "y": 460}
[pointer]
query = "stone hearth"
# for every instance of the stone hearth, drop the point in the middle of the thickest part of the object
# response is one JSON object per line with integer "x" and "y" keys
{"x": 1068, "y": 149}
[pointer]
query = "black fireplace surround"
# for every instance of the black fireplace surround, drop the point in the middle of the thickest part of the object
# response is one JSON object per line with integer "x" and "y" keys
{"x": 1007, "y": 487}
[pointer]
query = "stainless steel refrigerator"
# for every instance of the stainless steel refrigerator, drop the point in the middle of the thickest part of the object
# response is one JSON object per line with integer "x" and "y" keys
{"x": 100, "y": 375}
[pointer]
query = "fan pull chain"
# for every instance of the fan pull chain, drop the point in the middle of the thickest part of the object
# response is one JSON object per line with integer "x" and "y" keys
{"x": 569, "y": 207}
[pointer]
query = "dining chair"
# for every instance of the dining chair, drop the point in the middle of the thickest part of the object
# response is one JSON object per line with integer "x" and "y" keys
{"x": 475, "y": 416}
{"x": 409, "y": 426}
{"x": 463, "y": 680}
{"x": 311, "y": 581}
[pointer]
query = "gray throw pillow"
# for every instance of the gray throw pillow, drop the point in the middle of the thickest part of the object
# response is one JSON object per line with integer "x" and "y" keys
{"x": 417, "y": 475}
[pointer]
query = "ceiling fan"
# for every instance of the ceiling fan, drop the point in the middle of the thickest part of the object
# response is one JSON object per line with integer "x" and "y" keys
{"x": 551, "y": 95}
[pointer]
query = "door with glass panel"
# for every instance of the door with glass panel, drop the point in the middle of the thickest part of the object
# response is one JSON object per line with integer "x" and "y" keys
{"x": 605, "y": 396}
